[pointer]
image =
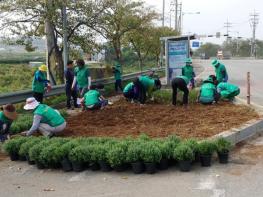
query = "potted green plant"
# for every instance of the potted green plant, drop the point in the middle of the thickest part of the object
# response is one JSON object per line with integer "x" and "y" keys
{"x": 77, "y": 158}
{"x": 117, "y": 157}
{"x": 35, "y": 151}
{"x": 166, "y": 151}
{"x": 223, "y": 147}
{"x": 24, "y": 148}
{"x": 206, "y": 150}
{"x": 49, "y": 156}
{"x": 184, "y": 155}
{"x": 151, "y": 155}
{"x": 133, "y": 157}
{"x": 101, "y": 151}
{"x": 12, "y": 147}
{"x": 193, "y": 144}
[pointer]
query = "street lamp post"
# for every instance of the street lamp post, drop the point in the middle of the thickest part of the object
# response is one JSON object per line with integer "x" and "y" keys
{"x": 183, "y": 13}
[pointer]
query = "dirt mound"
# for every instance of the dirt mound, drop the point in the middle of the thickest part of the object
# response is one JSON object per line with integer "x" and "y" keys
{"x": 126, "y": 119}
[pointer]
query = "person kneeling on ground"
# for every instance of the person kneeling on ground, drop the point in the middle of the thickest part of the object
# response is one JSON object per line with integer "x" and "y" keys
{"x": 6, "y": 118}
{"x": 93, "y": 100}
{"x": 128, "y": 91}
{"x": 180, "y": 82}
{"x": 145, "y": 85}
{"x": 46, "y": 119}
{"x": 208, "y": 93}
{"x": 227, "y": 90}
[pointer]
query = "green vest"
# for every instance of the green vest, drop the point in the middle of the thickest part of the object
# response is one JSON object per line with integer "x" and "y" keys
{"x": 91, "y": 97}
{"x": 38, "y": 86}
{"x": 117, "y": 75}
{"x": 128, "y": 87}
{"x": 207, "y": 92}
{"x": 49, "y": 115}
{"x": 4, "y": 119}
{"x": 219, "y": 76}
{"x": 147, "y": 83}
{"x": 227, "y": 86}
{"x": 184, "y": 78}
{"x": 82, "y": 75}
{"x": 188, "y": 72}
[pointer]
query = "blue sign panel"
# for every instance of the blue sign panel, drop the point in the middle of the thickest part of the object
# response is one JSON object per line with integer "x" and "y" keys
{"x": 195, "y": 44}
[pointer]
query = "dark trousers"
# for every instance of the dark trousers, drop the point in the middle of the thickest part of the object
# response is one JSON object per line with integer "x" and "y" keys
{"x": 38, "y": 96}
{"x": 71, "y": 93}
{"x": 140, "y": 91}
{"x": 180, "y": 84}
{"x": 118, "y": 85}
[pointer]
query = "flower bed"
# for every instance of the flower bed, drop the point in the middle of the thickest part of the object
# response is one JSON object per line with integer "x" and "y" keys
{"x": 139, "y": 154}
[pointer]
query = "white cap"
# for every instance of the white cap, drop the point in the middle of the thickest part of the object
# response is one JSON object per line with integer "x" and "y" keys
{"x": 31, "y": 103}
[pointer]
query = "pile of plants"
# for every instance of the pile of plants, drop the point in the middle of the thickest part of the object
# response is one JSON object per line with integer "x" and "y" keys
{"x": 142, "y": 154}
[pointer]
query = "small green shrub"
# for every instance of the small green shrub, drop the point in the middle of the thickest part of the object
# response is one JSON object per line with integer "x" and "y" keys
{"x": 13, "y": 146}
{"x": 35, "y": 150}
{"x": 151, "y": 153}
{"x": 24, "y": 148}
{"x": 65, "y": 149}
{"x": 144, "y": 137}
{"x": 49, "y": 156}
{"x": 166, "y": 150}
{"x": 23, "y": 123}
{"x": 192, "y": 143}
{"x": 223, "y": 145}
{"x": 206, "y": 147}
{"x": 134, "y": 152}
{"x": 183, "y": 153}
{"x": 117, "y": 155}
{"x": 100, "y": 152}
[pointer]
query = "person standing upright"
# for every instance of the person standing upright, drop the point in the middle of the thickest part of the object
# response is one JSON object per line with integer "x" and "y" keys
{"x": 117, "y": 76}
{"x": 70, "y": 92}
{"x": 188, "y": 71}
{"x": 220, "y": 70}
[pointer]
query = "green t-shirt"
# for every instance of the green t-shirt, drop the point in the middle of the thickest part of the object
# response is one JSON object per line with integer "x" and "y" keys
{"x": 117, "y": 73}
{"x": 4, "y": 119}
{"x": 219, "y": 72}
{"x": 91, "y": 97}
{"x": 82, "y": 75}
{"x": 148, "y": 83}
{"x": 128, "y": 87}
{"x": 188, "y": 71}
{"x": 49, "y": 115}
{"x": 39, "y": 85}
{"x": 184, "y": 78}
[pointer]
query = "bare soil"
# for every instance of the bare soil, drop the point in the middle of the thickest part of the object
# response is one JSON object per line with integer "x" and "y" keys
{"x": 126, "y": 119}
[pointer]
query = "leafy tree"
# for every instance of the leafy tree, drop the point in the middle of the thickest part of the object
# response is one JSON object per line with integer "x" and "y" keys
{"x": 209, "y": 49}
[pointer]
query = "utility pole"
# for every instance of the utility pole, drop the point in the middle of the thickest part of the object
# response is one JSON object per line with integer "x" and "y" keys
{"x": 180, "y": 18}
{"x": 65, "y": 37}
{"x": 254, "y": 19}
{"x": 171, "y": 11}
{"x": 227, "y": 25}
{"x": 163, "y": 12}
{"x": 176, "y": 15}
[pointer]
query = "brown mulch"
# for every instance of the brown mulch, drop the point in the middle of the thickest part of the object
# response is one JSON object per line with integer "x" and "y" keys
{"x": 126, "y": 119}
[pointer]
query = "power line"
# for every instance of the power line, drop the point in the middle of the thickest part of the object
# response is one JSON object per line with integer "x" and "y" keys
{"x": 254, "y": 19}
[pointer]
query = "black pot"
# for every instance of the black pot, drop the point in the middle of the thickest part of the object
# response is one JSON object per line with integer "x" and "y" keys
{"x": 163, "y": 165}
{"x": 29, "y": 161}
{"x": 14, "y": 156}
{"x": 40, "y": 165}
{"x": 223, "y": 157}
{"x": 185, "y": 166}
{"x": 104, "y": 166}
{"x": 54, "y": 165}
{"x": 150, "y": 168}
{"x": 77, "y": 166}
{"x": 137, "y": 167}
{"x": 22, "y": 158}
{"x": 172, "y": 162}
{"x": 94, "y": 166}
{"x": 66, "y": 165}
{"x": 197, "y": 157}
{"x": 205, "y": 160}
{"x": 120, "y": 168}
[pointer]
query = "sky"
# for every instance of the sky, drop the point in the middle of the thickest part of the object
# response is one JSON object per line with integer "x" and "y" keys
{"x": 213, "y": 15}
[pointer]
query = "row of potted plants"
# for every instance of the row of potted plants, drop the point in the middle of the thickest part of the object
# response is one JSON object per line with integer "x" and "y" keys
{"x": 141, "y": 154}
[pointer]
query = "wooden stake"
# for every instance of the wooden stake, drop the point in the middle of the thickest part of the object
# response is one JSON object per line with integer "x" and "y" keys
{"x": 248, "y": 88}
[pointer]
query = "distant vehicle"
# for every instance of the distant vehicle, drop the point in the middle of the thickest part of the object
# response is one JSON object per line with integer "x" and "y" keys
{"x": 204, "y": 56}
{"x": 224, "y": 55}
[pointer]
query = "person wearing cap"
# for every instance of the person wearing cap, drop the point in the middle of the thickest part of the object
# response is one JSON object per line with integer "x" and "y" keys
{"x": 228, "y": 91}
{"x": 93, "y": 100}
{"x": 208, "y": 93}
{"x": 7, "y": 116}
{"x": 188, "y": 71}
{"x": 46, "y": 119}
{"x": 182, "y": 83}
{"x": 145, "y": 85}
{"x": 117, "y": 76}
{"x": 40, "y": 83}
{"x": 82, "y": 77}
{"x": 69, "y": 76}
{"x": 220, "y": 70}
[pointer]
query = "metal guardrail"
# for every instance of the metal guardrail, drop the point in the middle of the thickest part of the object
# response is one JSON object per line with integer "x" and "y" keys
{"x": 20, "y": 96}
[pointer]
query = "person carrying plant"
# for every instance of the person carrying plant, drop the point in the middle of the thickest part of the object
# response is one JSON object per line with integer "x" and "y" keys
{"x": 146, "y": 85}
{"x": 69, "y": 76}
{"x": 188, "y": 71}
{"x": 208, "y": 93}
{"x": 182, "y": 83}
{"x": 118, "y": 76}
{"x": 40, "y": 84}
{"x": 228, "y": 91}
{"x": 46, "y": 119}
{"x": 220, "y": 70}
{"x": 82, "y": 78}
{"x": 93, "y": 100}
{"x": 7, "y": 116}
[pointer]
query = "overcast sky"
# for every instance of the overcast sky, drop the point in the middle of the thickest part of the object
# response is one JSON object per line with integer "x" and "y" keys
{"x": 213, "y": 15}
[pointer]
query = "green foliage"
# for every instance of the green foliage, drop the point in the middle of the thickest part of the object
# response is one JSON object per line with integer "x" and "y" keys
{"x": 49, "y": 155}
{"x": 134, "y": 152}
{"x": 206, "y": 147}
{"x": 24, "y": 148}
{"x": 65, "y": 149}
{"x": 192, "y": 143}
{"x": 22, "y": 123}
{"x": 35, "y": 150}
{"x": 166, "y": 149}
{"x": 209, "y": 49}
{"x": 55, "y": 100}
{"x": 183, "y": 153}
{"x": 13, "y": 146}
{"x": 117, "y": 154}
{"x": 223, "y": 145}
{"x": 144, "y": 137}
{"x": 100, "y": 152}
{"x": 151, "y": 153}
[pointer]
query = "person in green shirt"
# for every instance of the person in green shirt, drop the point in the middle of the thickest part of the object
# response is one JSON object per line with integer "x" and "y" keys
{"x": 118, "y": 76}
{"x": 208, "y": 93}
{"x": 7, "y": 116}
{"x": 188, "y": 71}
{"x": 129, "y": 92}
{"x": 93, "y": 100}
{"x": 180, "y": 82}
{"x": 228, "y": 91}
{"x": 46, "y": 119}
{"x": 82, "y": 77}
{"x": 220, "y": 70}
{"x": 40, "y": 83}
{"x": 144, "y": 85}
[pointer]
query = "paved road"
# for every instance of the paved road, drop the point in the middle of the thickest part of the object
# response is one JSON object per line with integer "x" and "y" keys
{"x": 237, "y": 70}
{"x": 242, "y": 177}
